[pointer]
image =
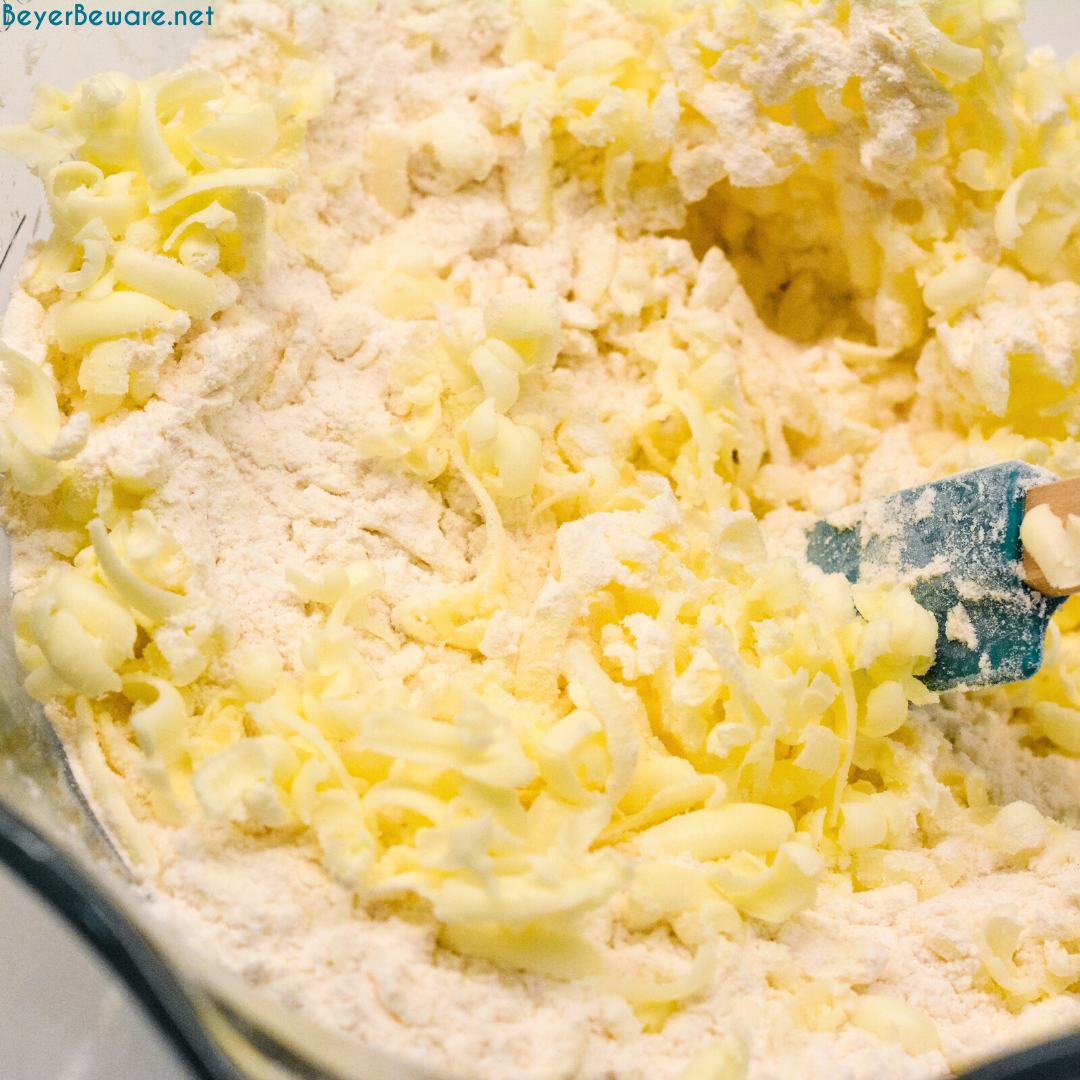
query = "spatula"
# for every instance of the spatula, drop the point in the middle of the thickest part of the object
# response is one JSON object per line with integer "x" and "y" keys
{"x": 957, "y": 542}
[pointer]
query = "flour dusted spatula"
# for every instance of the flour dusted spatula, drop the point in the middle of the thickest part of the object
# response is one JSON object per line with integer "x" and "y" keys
{"x": 957, "y": 542}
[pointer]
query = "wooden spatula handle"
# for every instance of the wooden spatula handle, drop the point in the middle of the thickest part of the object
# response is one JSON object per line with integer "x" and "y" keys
{"x": 1063, "y": 497}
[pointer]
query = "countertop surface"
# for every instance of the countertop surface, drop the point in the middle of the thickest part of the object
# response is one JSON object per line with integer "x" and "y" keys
{"x": 63, "y": 1015}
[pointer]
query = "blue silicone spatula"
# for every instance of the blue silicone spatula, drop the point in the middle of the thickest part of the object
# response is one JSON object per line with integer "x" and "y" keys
{"x": 957, "y": 542}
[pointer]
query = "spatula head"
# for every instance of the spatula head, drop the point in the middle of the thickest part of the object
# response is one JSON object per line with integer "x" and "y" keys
{"x": 956, "y": 541}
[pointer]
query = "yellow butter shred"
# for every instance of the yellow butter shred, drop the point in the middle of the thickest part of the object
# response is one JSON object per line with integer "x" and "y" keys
{"x": 155, "y": 204}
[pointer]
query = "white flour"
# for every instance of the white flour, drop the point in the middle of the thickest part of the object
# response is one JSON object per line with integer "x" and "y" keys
{"x": 268, "y": 913}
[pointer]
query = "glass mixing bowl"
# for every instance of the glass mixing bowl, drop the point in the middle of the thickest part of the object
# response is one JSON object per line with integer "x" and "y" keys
{"x": 50, "y": 838}
{"x": 48, "y": 835}
{"x": 223, "y": 1029}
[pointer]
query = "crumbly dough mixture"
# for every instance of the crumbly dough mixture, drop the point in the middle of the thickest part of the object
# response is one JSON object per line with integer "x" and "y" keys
{"x": 411, "y": 431}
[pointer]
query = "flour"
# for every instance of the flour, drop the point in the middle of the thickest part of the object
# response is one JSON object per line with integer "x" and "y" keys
{"x": 563, "y": 232}
{"x": 267, "y": 914}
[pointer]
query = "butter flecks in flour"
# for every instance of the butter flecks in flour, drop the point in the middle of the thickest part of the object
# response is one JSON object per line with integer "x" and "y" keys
{"x": 444, "y": 556}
